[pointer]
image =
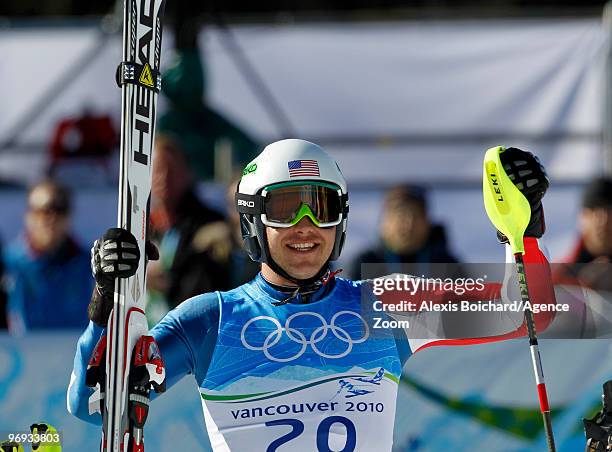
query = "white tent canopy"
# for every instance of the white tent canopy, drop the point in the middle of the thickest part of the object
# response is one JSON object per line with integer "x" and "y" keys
{"x": 427, "y": 95}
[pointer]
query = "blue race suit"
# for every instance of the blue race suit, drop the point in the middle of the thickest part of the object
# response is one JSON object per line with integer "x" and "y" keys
{"x": 296, "y": 376}
{"x": 305, "y": 375}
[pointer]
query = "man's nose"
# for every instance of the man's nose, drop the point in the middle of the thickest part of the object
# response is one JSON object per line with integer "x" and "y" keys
{"x": 304, "y": 224}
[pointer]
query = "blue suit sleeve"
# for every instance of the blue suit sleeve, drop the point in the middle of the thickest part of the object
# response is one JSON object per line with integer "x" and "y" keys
{"x": 186, "y": 337}
{"x": 401, "y": 338}
{"x": 78, "y": 392}
{"x": 403, "y": 347}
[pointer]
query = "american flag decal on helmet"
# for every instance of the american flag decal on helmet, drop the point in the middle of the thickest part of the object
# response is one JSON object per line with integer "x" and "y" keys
{"x": 303, "y": 168}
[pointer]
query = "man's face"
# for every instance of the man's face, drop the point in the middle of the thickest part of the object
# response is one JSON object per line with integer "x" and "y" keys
{"x": 171, "y": 178}
{"x": 301, "y": 250}
{"x": 45, "y": 225}
{"x": 596, "y": 226}
{"x": 404, "y": 227}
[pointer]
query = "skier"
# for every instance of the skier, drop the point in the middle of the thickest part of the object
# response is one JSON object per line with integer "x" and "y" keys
{"x": 289, "y": 360}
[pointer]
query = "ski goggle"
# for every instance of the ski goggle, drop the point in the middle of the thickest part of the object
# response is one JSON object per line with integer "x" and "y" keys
{"x": 285, "y": 204}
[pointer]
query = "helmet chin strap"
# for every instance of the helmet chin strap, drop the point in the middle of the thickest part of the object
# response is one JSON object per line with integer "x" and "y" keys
{"x": 301, "y": 283}
{"x": 304, "y": 286}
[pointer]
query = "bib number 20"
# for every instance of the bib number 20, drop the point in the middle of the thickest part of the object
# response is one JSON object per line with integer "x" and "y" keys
{"x": 297, "y": 428}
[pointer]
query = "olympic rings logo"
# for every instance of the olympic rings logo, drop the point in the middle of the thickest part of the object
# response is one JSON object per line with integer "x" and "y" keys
{"x": 317, "y": 335}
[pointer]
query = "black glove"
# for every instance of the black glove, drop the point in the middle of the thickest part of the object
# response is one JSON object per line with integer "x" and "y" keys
{"x": 598, "y": 430}
{"x": 114, "y": 255}
{"x": 527, "y": 173}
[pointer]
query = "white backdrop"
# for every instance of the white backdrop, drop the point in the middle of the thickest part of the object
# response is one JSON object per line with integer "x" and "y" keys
{"x": 527, "y": 77}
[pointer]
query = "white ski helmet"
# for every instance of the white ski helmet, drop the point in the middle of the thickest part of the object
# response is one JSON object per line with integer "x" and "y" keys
{"x": 285, "y": 161}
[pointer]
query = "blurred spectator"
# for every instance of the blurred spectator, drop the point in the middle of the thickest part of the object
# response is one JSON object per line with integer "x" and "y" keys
{"x": 48, "y": 274}
{"x": 592, "y": 254}
{"x": 205, "y": 135}
{"x": 192, "y": 258}
{"x": 3, "y": 323}
{"x": 408, "y": 236}
{"x": 595, "y": 224}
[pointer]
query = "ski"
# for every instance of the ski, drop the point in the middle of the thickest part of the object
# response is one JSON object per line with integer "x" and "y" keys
{"x": 126, "y": 363}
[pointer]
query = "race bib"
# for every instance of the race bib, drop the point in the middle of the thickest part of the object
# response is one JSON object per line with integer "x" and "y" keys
{"x": 344, "y": 412}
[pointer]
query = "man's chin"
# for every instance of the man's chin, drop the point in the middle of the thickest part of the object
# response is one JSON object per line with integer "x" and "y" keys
{"x": 304, "y": 274}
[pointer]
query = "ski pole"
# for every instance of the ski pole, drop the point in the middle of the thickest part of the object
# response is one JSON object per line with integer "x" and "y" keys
{"x": 510, "y": 212}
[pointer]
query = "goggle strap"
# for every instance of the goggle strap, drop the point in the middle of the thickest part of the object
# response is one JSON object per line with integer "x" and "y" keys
{"x": 249, "y": 204}
{"x": 345, "y": 204}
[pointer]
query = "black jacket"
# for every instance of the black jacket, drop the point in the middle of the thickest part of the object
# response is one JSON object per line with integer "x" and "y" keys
{"x": 426, "y": 261}
{"x": 192, "y": 271}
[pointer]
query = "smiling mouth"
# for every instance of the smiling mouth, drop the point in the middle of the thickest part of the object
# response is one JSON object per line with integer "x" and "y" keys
{"x": 303, "y": 247}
